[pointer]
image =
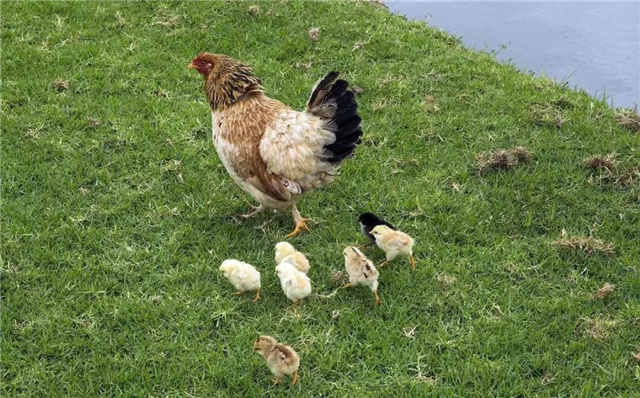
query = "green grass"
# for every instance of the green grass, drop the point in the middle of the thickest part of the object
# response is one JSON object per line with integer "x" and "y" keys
{"x": 116, "y": 214}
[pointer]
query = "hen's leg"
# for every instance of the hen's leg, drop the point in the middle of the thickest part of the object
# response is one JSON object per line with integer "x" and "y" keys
{"x": 254, "y": 210}
{"x": 301, "y": 223}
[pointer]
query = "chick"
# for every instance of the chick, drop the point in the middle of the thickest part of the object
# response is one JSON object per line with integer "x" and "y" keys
{"x": 281, "y": 359}
{"x": 243, "y": 276}
{"x": 361, "y": 270}
{"x": 295, "y": 284}
{"x": 393, "y": 243}
{"x": 286, "y": 252}
{"x": 368, "y": 221}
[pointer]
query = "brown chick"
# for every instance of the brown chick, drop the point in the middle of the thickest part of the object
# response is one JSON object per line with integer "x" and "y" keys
{"x": 274, "y": 153}
{"x": 361, "y": 270}
{"x": 394, "y": 243}
{"x": 281, "y": 359}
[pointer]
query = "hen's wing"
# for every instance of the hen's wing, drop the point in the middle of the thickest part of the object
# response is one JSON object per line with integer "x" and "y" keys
{"x": 292, "y": 149}
{"x": 305, "y": 149}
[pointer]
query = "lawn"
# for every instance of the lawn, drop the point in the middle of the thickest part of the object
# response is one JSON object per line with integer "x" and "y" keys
{"x": 116, "y": 213}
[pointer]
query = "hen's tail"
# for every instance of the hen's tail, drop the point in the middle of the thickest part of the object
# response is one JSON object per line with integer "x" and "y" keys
{"x": 334, "y": 103}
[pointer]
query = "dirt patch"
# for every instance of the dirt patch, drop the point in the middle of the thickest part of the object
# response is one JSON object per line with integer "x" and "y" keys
{"x": 502, "y": 159}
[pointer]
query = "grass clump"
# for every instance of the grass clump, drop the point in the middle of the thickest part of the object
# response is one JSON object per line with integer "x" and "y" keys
{"x": 546, "y": 115}
{"x": 596, "y": 163}
{"x": 630, "y": 119}
{"x": 605, "y": 291}
{"x": 588, "y": 245}
{"x": 502, "y": 159}
{"x": 604, "y": 171}
{"x": 60, "y": 85}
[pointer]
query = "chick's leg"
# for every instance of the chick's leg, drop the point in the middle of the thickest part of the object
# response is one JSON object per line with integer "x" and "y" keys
{"x": 348, "y": 285}
{"x": 375, "y": 295}
{"x": 240, "y": 293}
{"x": 301, "y": 223}
{"x": 413, "y": 262}
{"x": 257, "y": 297}
{"x": 382, "y": 264}
{"x": 276, "y": 381}
{"x": 295, "y": 378}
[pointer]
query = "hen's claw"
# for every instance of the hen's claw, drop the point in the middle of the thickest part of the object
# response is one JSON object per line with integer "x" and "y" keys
{"x": 254, "y": 210}
{"x": 301, "y": 225}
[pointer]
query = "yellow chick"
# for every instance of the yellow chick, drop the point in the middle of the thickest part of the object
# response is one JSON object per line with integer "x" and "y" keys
{"x": 286, "y": 252}
{"x": 295, "y": 284}
{"x": 361, "y": 270}
{"x": 243, "y": 276}
{"x": 281, "y": 359}
{"x": 393, "y": 243}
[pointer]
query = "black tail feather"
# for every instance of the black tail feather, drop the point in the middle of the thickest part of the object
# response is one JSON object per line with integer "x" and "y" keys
{"x": 332, "y": 101}
{"x": 321, "y": 89}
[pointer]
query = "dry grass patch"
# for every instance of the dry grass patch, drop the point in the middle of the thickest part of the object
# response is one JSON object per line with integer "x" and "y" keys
{"x": 630, "y": 119}
{"x": 314, "y": 34}
{"x": 546, "y": 116}
{"x": 597, "y": 329}
{"x": 502, "y": 159}
{"x": 595, "y": 163}
{"x": 604, "y": 170}
{"x": 60, "y": 85}
{"x": 605, "y": 291}
{"x": 446, "y": 280}
{"x": 588, "y": 245}
{"x": 254, "y": 10}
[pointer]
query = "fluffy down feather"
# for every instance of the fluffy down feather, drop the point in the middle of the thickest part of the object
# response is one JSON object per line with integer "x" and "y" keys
{"x": 281, "y": 359}
{"x": 394, "y": 243}
{"x": 361, "y": 270}
{"x": 295, "y": 284}
{"x": 285, "y": 252}
{"x": 243, "y": 276}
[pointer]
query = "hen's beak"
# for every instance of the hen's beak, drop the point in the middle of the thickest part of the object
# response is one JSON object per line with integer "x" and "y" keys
{"x": 192, "y": 66}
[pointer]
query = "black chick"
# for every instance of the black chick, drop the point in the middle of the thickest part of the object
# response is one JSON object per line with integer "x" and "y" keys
{"x": 369, "y": 221}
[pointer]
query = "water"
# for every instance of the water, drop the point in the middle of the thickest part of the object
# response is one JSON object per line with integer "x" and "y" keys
{"x": 592, "y": 45}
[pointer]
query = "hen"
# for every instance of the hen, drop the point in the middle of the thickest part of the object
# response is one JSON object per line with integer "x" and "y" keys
{"x": 273, "y": 152}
